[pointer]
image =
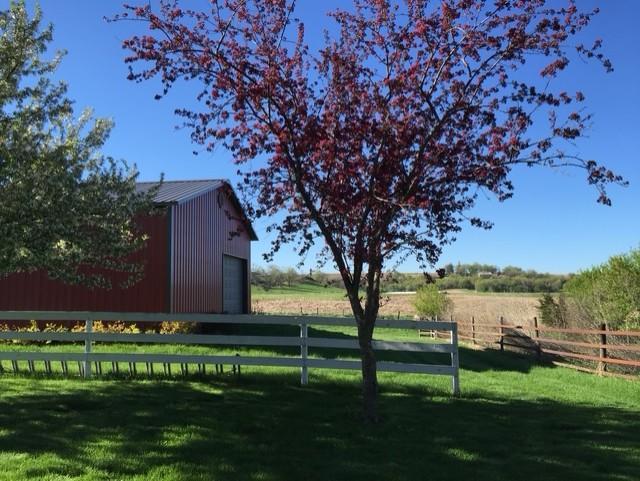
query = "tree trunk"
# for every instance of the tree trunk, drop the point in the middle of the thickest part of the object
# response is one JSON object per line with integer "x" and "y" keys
{"x": 369, "y": 372}
{"x": 366, "y": 321}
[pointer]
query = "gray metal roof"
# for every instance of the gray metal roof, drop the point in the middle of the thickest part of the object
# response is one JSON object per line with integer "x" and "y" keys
{"x": 179, "y": 191}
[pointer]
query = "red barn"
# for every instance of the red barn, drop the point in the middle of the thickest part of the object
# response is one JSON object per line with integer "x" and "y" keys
{"x": 197, "y": 260}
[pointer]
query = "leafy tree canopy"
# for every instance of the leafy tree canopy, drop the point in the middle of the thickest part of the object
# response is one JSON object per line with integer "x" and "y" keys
{"x": 66, "y": 209}
{"x": 379, "y": 142}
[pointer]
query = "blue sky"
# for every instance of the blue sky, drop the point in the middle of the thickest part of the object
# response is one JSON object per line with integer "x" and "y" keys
{"x": 552, "y": 224}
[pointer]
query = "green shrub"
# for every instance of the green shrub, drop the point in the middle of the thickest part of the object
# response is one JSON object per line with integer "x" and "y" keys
{"x": 632, "y": 321}
{"x": 551, "y": 312}
{"x": 609, "y": 292}
{"x": 430, "y": 302}
{"x": 112, "y": 326}
{"x": 175, "y": 327}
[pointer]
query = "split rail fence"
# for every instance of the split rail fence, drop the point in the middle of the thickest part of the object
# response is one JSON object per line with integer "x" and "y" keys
{"x": 601, "y": 351}
{"x": 91, "y": 363}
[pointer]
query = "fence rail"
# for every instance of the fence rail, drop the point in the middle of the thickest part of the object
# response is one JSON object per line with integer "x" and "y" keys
{"x": 89, "y": 359}
{"x": 560, "y": 351}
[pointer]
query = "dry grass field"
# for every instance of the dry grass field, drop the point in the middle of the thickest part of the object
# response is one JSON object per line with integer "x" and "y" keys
{"x": 516, "y": 308}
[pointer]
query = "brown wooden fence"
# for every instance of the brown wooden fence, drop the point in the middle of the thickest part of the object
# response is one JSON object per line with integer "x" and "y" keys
{"x": 601, "y": 351}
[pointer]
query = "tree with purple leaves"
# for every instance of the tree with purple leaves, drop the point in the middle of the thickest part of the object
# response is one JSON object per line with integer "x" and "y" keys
{"x": 378, "y": 143}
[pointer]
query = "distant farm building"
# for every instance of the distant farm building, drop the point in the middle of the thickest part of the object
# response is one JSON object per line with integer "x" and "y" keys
{"x": 485, "y": 274}
{"x": 197, "y": 260}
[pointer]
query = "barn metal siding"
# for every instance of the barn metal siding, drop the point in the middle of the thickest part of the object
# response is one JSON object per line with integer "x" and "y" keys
{"x": 200, "y": 237}
{"x": 35, "y": 291}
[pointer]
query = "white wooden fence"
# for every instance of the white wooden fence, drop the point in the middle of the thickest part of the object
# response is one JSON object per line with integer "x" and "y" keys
{"x": 303, "y": 341}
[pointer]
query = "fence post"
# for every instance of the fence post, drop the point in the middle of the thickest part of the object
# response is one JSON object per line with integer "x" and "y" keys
{"x": 304, "y": 352}
{"x": 536, "y": 333}
{"x": 434, "y": 334}
{"x": 602, "y": 366}
{"x": 455, "y": 363}
{"x": 88, "y": 329}
{"x": 473, "y": 330}
{"x": 501, "y": 333}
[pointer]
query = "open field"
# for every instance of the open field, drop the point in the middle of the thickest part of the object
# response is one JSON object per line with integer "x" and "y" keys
{"x": 310, "y": 299}
{"x": 520, "y": 308}
{"x": 514, "y": 419}
{"x": 298, "y": 291}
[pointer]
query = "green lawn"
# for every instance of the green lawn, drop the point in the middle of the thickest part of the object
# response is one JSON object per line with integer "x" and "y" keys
{"x": 304, "y": 290}
{"x": 515, "y": 420}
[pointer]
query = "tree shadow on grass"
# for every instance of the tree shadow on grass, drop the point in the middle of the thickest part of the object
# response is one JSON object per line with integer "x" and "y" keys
{"x": 477, "y": 360}
{"x": 481, "y": 360}
{"x": 266, "y": 427}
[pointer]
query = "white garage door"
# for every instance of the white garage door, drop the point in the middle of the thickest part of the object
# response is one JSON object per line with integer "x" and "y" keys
{"x": 233, "y": 285}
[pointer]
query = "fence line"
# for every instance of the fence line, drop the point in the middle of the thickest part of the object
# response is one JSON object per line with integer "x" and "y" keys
{"x": 535, "y": 339}
{"x": 88, "y": 358}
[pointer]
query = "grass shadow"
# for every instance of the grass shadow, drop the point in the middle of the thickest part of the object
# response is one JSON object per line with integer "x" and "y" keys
{"x": 476, "y": 360}
{"x": 482, "y": 360}
{"x": 265, "y": 427}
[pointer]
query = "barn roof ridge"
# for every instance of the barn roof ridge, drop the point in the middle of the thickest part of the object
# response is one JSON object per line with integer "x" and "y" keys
{"x": 181, "y": 191}
{"x": 181, "y": 180}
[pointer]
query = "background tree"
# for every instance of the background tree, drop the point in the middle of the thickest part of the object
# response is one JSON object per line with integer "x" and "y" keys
{"x": 276, "y": 275}
{"x": 260, "y": 277}
{"x": 379, "y": 142}
{"x": 292, "y": 276}
{"x": 320, "y": 277}
{"x": 65, "y": 208}
{"x": 512, "y": 271}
